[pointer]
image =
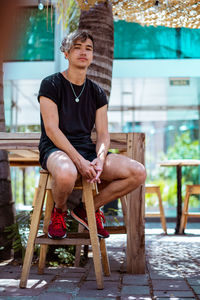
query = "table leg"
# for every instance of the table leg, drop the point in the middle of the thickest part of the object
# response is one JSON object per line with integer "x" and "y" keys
{"x": 179, "y": 198}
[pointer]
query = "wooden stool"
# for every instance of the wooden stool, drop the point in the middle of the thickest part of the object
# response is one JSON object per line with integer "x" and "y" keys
{"x": 72, "y": 238}
{"x": 190, "y": 190}
{"x": 155, "y": 189}
{"x": 110, "y": 229}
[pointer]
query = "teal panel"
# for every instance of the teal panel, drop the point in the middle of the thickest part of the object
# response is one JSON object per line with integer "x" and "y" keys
{"x": 133, "y": 41}
{"x": 190, "y": 43}
{"x": 35, "y": 41}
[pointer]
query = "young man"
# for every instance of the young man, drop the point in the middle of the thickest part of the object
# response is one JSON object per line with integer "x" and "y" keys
{"x": 70, "y": 105}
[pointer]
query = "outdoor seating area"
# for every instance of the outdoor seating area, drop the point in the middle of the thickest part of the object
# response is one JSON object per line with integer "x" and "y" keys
{"x": 100, "y": 150}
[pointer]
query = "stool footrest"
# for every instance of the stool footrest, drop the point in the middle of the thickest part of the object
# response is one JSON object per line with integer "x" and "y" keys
{"x": 152, "y": 214}
{"x": 71, "y": 239}
{"x": 116, "y": 229}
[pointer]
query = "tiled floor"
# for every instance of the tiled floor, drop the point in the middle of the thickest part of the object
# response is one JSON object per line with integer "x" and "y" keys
{"x": 172, "y": 272}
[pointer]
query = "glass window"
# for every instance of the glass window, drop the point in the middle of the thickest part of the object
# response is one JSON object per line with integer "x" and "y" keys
{"x": 169, "y": 116}
{"x": 135, "y": 41}
{"x": 35, "y": 40}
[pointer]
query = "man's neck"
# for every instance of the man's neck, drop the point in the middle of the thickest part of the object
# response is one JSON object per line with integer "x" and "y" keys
{"x": 76, "y": 76}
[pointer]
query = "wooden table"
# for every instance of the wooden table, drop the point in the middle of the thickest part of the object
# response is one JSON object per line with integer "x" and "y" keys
{"x": 179, "y": 163}
{"x": 23, "y": 149}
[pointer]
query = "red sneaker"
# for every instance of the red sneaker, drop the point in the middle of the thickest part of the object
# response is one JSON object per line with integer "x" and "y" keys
{"x": 100, "y": 219}
{"x": 79, "y": 214}
{"x": 57, "y": 228}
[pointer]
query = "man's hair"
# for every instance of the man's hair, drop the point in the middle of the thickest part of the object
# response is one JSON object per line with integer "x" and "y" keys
{"x": 70, "y": 40}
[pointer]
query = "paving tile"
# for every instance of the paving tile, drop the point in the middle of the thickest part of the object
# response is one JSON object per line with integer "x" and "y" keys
{"x": 135, "y": 279}
{"x": 55, "y": 296}
{"x": 35, "y": 286}
{"x": 196, "y": 289}
{"x": 72, "y": 270}
{"x": 135, "y": 298}
{"x": 135, "y": 290}
{"x": 177, "y": 298}
{"x": 194, "y": 281}
{"x": 10, "y": 275}
{"x": 63, "y": 287}
{"x": 115, "y": 276}
{"x": 173, "y": 294}
{"x": 89, "y": 289}
{"x": 170, "y": 285}
{"x": 96, "y": 298}
{"x": 66, "y": 280}
{"x": 19, "y": 298}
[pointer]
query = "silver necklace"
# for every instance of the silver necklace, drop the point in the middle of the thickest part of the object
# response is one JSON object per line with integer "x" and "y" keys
{"x": 77, "y": 97}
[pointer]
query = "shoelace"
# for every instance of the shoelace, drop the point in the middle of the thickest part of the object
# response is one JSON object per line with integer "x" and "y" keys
{"x": 100, "y": 217}
{"x": 59, "y": 219}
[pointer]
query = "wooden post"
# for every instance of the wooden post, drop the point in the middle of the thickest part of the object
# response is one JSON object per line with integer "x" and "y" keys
{"x": 136, "y": 211}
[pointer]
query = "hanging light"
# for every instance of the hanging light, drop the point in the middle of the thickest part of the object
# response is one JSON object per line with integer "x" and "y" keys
{"x": 40, "y": 5}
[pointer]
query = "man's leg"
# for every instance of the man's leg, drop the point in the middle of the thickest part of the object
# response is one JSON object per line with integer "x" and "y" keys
{"x": 124, "y": 175}
{"x": 64, "y": 175}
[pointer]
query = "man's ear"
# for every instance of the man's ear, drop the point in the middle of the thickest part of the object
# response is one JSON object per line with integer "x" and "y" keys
{"x": 66, "y": 54}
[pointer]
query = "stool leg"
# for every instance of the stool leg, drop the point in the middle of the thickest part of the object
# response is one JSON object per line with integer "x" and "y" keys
{"x": 124, "y": 209}
{"x": 162, "y": 215}
{"x": 47, "y": 216}
{"x": 185, "y": 211}
{"x": 104, "y": 255}
{"x": 89, "y": 204}
{"x": 33, "y": 230}
{"x": 78, "y": 248}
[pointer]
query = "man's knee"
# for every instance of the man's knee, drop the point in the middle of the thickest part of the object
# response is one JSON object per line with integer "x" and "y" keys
{"x": 64, "y": 175}
{"x": 137, "y": 173}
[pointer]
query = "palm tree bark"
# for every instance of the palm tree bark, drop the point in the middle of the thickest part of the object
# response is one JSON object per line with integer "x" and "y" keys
{"x": 7, "y": 215}
{"x": 7, "y": 211}
{"x": 99, "y": 21}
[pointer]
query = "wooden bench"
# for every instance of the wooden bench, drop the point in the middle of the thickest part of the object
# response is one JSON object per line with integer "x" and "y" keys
{"x": 23, "y": 151}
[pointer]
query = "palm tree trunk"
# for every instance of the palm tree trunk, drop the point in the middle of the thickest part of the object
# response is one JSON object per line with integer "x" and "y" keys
{"x": 99, "y": 21}
{"x": 7, "y": 211}
{"x": 7, "y": 215}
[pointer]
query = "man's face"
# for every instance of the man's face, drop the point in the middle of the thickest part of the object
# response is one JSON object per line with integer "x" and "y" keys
{"x": 81, "y": 54}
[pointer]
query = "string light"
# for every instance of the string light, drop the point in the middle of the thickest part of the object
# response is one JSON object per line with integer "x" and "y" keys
{"x": 40, "y": 5}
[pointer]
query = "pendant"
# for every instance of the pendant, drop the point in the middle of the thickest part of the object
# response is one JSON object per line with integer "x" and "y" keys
{"x": 77, "y": 99}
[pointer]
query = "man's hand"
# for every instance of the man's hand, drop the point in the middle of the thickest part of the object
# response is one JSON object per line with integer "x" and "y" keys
{"x": 97, "y": 163}
{"x": 87, "y": 170}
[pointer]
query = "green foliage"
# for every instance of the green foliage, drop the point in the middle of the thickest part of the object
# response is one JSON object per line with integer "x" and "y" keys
{"x": 69, "y": 12}
{"x": 30, "y": 182}
{"x": 183, "y": 148}
{"x": 65, "y": 255}
{"x": 18, "y": 232}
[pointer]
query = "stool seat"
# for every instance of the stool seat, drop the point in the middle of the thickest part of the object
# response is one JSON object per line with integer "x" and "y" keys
{"x": 155, "y": 189}
{"x": 85, "y": 238}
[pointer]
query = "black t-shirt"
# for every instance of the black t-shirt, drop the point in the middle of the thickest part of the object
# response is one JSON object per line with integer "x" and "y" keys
{"x": 76, "y": 120}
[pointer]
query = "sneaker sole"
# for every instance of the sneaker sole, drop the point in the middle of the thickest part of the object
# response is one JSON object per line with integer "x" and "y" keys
{"x": 85, "y": 224}
{"x": 57, "y": 237}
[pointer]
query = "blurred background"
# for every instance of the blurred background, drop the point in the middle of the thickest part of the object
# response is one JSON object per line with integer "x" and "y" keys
{"x": 155, "y": 90}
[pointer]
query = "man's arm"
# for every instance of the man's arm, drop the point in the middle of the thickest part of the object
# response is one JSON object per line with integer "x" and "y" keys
{"x": 103, "y": 136}
{"x": 102, "y": 141}
{"x": 50, "y": 118}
